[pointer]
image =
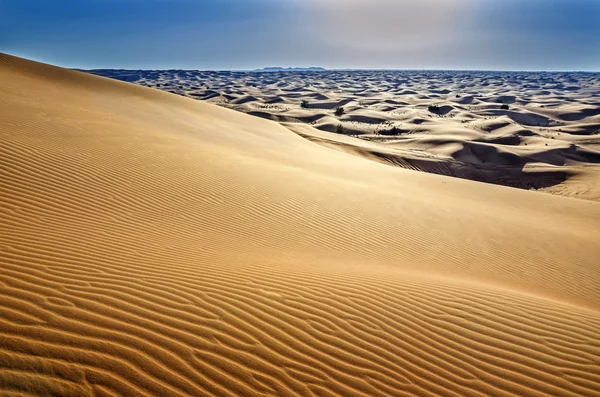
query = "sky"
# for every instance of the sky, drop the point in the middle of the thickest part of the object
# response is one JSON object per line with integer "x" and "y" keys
{"x": 247, "y": 34}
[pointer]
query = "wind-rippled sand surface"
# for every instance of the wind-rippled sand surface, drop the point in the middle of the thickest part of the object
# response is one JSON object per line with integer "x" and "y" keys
{"x": 152, "y": 245}
{"x": 530, "y": 130}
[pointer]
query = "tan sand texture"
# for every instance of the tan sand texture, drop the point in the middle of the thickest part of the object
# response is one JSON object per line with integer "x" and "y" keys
{"x": 153, "y": 245}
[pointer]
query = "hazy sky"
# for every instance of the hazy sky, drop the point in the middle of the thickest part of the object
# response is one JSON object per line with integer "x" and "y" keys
{"x": 245, "y": 34}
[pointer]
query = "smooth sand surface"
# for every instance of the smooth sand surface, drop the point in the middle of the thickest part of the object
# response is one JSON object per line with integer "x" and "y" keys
{"x": 153, "y": 245}
{"x": 530, "y": 130}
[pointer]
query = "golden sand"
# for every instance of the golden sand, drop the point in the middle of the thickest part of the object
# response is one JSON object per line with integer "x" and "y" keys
{"x": 153, "y": 245}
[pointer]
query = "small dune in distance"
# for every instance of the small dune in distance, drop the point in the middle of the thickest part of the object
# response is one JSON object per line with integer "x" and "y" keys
{"x": 155, "y": 244}
{"x": 290, "y": 69}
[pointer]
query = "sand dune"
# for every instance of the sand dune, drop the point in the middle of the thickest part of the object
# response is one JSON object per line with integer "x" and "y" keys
{"x": 153, "y": 245}
{"x": 530, "y": 115}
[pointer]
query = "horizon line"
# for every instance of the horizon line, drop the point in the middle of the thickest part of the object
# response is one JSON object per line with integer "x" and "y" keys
{"x": 250, "y": 70}
{"x": 259, "y": 70}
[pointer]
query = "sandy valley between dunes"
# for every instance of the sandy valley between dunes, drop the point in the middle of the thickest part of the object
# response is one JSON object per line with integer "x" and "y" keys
{"x": 156, "y": 245}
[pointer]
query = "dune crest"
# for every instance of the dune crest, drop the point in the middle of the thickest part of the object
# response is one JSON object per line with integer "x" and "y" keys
{"x": 156, "y": 245}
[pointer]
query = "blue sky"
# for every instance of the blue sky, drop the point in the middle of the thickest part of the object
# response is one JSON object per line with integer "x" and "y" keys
{"x": 246, "y": 34}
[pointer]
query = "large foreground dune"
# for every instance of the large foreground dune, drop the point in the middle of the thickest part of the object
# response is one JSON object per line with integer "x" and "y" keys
{"x": 156, "y": 245}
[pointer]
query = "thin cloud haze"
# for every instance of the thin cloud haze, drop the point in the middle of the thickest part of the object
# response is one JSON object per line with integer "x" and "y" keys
{"x": 242, "y": 34}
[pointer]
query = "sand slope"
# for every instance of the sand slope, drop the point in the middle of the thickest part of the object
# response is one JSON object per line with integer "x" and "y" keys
{"x": 156, "y": 245}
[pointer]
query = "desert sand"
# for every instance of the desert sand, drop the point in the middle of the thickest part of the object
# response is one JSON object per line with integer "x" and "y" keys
{"x": 529, "y": 130}
{"x": 155, "y": 245}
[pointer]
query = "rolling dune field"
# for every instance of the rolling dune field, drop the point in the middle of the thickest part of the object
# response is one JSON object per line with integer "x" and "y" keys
{"x": 530, "y": 130}
{"x": 154, "y": 245}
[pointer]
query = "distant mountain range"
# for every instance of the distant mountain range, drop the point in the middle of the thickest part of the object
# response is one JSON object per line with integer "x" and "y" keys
{"x": 279, "y": 69}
